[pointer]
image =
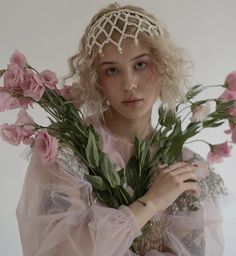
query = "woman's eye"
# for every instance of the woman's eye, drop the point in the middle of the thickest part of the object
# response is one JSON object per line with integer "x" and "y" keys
{"x": 112, "y": 71}
{"x": 140, "y": 65}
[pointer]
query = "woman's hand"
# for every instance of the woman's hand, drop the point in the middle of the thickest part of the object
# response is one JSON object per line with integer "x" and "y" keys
{"x": 170, "y": 183}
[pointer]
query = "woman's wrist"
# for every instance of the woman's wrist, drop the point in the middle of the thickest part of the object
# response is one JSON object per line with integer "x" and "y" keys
{"x": 143, "y": 209}
{"x": 150, "y": 203}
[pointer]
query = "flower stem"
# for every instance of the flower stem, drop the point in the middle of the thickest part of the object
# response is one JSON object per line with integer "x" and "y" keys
{"x": 198, "y": 140}
{"x": 212, "y": 86}
{"x": 29, "y": 67}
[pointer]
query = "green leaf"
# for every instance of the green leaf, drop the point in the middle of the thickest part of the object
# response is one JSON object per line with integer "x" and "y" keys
{"x": 147, "y": 156}
{"x": 53, "y": 123}
{"x": 92, "y": 151}
{"x": 192, "y": 129}
{"x": 121, "y": 174}
{"x": 141, "y": 150}
{"x": 176, "y": 131}
{"x": 161, "y": 114}
{"x": 96, "y": 182}
{"x": 198, "y": 103}
{"x": 166, "y": 117}
{"x": 80, "y": 128}
{"x": 126, "y": 198}
{"x": 107, "y": 198}
{"x": 175, "y": 151}
{"x": 109, "y": 172}
{"x": 131, "y": 172}
{"x": 154, "y": 160}
{"x": 221, "y": 106}
{"x": 193, "y": 91}
{"x": 212, "y": 123}
{"x": 137, "y": 147}
{"x": 192, "y": 125}
{"x": 219, "y": 115}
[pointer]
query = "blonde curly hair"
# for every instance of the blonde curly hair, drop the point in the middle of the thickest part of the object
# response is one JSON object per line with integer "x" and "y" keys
{"x": 172, "y": 65}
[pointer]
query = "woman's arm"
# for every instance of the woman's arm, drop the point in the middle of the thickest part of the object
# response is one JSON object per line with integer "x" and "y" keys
{"x": 167, "y": 186}
{"x": 56, "y": 216}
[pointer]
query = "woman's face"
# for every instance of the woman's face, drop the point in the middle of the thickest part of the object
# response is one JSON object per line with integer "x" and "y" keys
{"x": 129, "y": 80}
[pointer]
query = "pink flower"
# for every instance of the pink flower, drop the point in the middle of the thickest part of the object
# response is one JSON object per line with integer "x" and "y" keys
{"x": 13, "y": 77}
{"x": 11, "y": 133}
{"x": 230, "y": 81}
{"x": 218, "y": 152}
{"x": 232, "y": 112}
{"x": 49, "y": 79}
{"x": 25, "y": 121}
{"x": 7, "y": 101}
{"x": 21, "y": 131}
{"x": 18, "y": 59}
{"x": 27, "y": 125}
{"x": 24, "y": 103}
{"x": 228, "y": 95}
{"x": 200, "y": 112}
{"x": 46, "y": 146}
{"x": 33, "y": 86}
{"x": 232, "y": 131}
{"x": 66, "y": 92}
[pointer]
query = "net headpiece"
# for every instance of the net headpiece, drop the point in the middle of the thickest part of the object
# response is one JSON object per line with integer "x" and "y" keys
{"x": 111, "y": 22}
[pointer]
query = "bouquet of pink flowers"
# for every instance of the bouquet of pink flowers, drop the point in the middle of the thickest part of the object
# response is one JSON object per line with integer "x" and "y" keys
{"x": 23, "y": 86}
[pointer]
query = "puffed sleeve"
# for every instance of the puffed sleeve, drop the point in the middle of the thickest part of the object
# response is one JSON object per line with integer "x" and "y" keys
{"x": 57, "y": 216}
{"x": 195, "y": 233}
{"x": 193, "y": 224}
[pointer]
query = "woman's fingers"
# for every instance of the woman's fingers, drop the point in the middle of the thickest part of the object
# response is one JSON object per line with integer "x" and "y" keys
{"x": 179, "y": 168}
{"x": 180, "y": 179}
{"x": 171, "y": 182}
{"x": 192, "y": 186}
{"x": 176, "y": 165}
{"x": 188, "y": 176}
{"x": 184, "y": 173}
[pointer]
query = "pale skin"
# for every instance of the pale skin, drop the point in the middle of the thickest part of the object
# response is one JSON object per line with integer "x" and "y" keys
{"x": 130, "y": 84}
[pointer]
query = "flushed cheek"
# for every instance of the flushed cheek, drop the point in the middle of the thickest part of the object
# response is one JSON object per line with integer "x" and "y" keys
{"x": 103, "y": 80}
{"x": 149, "y": 74}
{"x": 108, "y": 82}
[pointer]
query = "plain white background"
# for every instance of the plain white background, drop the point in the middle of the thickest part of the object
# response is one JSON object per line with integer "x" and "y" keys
{"x": 48, "y": 32}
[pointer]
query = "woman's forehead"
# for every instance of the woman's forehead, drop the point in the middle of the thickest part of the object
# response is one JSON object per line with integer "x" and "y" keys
{"x": 129, "y": 50}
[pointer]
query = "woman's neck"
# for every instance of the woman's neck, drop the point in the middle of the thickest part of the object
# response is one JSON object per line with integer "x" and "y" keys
{"x": 126, "y": 128}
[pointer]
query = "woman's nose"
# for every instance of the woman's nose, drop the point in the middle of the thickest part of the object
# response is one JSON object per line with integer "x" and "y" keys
{"x": 130, "y": 81}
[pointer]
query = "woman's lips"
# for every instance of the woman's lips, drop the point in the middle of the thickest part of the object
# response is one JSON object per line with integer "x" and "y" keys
{"x": 132, "y": 102}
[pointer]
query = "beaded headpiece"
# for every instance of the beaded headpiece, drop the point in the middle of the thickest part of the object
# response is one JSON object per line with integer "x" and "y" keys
{"x": 108, "y": 23}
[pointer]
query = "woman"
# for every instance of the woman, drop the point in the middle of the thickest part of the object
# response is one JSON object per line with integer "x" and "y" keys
{"x": 126, "y": 61}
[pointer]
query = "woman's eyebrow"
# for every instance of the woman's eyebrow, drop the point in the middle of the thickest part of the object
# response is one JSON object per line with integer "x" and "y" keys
{"x": 114, "y": 62}
{"x": 107, "y": 63}
{"x": 140, "y": 56}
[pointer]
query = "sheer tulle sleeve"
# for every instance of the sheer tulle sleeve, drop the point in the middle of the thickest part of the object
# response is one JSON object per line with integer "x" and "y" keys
{"x": 57, "y": 216}
{"x": 191, "y": 226}
{"x": 195, "y": 233}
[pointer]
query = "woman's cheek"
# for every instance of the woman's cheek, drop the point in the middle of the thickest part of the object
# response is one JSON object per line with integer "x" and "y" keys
{"x": 149, "y": 74}
{"x": 103, "y": 80}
